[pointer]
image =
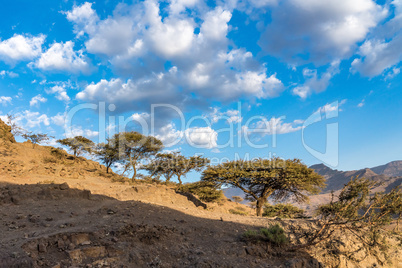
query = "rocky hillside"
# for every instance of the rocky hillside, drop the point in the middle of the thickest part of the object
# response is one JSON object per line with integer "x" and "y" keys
{"x": 387, "y": 175}
{"x": 60, "y": 211}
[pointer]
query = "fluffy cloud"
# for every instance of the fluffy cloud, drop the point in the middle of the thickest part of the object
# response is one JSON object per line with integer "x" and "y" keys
{"x": 133, "y": 93}
{"x": 273, "y": 126}
{"x": 231, "y": 116}
{"x": 169, "y": 135}
{"x": 8, "y": 73}
{"x": 59, "y": 119}
{"x": 202, "y": 137}
{"x": 5, "y": 100}
{"x": 79, "y": 131}
{"x": 21, "y": 48}
{"x": 84, "y": 18}
{"x": 316, "y": 84}
{"x": 178, "y": 6}
{"x": 35, "y": 101}
{"x": 377, "y": 56}
{"x": 62, "y": 57}
{"x": 319, "y": 31}
{"x": 383, "y": 50}
{"x": 202, "y": 63}
{"x": 60, "y": 91}
{"x": 332, "y": 108}
{"x": 232, "y": 75}
{"x": 170, "y": 37}
{"x": 32, "y": 119}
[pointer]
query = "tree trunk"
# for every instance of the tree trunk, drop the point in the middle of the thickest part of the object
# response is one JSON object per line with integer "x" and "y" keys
{"x": 178, "y": 177}
{"x": 260, "y": 203}
{"x": 135, "y": 172}
{"x": 107, "y": 169}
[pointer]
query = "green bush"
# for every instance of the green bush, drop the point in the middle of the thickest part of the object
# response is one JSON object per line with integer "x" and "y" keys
{"x": 206, "y": 191}
{"x": 273, "y": 234}
{"x": 282, "y": 211}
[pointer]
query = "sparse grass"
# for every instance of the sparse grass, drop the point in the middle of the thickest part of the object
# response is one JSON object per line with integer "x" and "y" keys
{"x": 274, "y": 235}
{"x": 48, "y": 160}
{"x": 238, "y": 212}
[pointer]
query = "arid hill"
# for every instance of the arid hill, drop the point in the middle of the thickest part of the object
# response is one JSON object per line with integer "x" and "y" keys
{"x": 61, "y": 211}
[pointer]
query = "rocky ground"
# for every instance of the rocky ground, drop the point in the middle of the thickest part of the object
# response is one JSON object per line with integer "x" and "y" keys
{"x": 55, "y": 226}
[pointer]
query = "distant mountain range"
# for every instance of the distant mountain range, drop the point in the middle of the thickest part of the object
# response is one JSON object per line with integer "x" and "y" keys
{"x": 390, "y": 175}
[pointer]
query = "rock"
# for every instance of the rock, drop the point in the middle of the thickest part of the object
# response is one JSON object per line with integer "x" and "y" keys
{"x": 64, "y": 186}
{"x": 60, "y": 244}
{"x": 80, "y": 239}
{"x": 42, "y": 247}
{"x": 94, "y": 252}
{"x": 16, "y": 200}
{"x": 75, "y": 255}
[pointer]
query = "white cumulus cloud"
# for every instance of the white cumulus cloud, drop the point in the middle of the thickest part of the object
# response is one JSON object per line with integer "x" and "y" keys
{"x": 21, "y": 48}
{"x": 201, "y": 137}
{"x": 60, "y": 91}
{"x": 37, "y": 100}
{"x": 319, "y": 31}
{"x": 61, "y": 57}
{"x": 5, "y": 100}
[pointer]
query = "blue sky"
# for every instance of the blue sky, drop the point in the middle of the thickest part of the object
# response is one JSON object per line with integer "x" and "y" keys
{"x": 257, "y": 68}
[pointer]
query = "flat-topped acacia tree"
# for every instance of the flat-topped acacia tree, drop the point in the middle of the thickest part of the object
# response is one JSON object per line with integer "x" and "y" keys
{"x": 78, "y": 144}
{"x": 261, "y": 178}
{"x": 175, "y": 164}
{"x": 134, "y": 146}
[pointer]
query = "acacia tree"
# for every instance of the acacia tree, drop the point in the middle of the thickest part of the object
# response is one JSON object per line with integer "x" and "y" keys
{"x": 184, "y": 165}
{"x": 260, "y": 178}
{"x": 175, "y": 164}
{"x": 16, "y": 130}
{"x": 134, "y": 146}
{"x": 237, "y": 199}
{"x": 36, "y": 138}
{"x": 108, "y": 153}
{"x": 78, "y": 144}
{"x": 356, "y": 211}
{"x": 161, "y": 165}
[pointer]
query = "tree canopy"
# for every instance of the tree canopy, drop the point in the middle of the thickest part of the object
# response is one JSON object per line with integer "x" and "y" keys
{"x": 78, "y": 144}
{"x": 134, "y": 146}
{"x": 108, "y": 153}
{"x": 175, "y": 164}
{"x": 36, "y": 138}
{"x": 261, "y": 178}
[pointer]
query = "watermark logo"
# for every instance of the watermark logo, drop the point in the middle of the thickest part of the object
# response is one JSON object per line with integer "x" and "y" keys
{"x": 237, "y": 132}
